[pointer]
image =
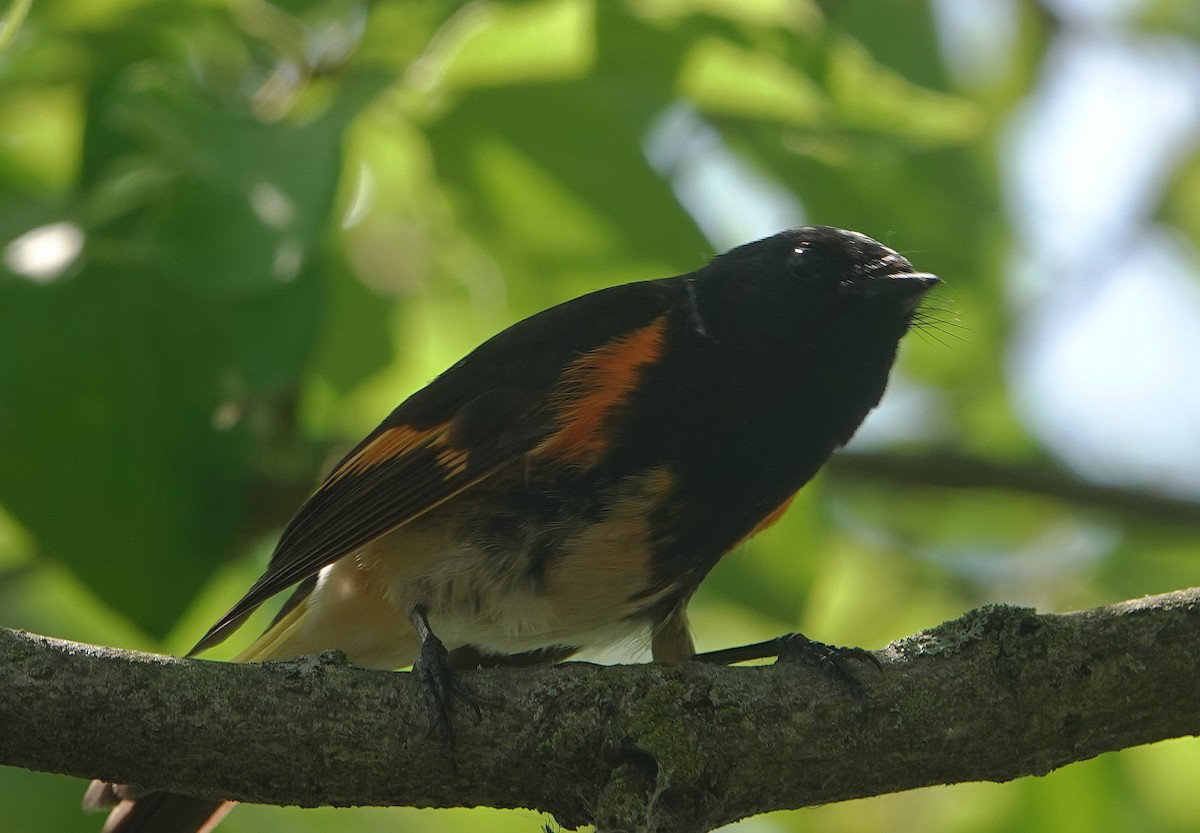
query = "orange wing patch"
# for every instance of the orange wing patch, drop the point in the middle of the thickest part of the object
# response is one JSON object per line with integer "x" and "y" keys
{"x": 454, "y": 460}
{"x": 403, "y": 439}
{"x": 595, "y": 385}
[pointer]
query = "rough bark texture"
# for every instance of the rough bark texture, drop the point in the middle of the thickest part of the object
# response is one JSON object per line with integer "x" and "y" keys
{"x": 999, "y": 693}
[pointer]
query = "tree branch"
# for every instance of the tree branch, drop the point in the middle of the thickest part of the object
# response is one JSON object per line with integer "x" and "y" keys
{"x": 999, "y": 693}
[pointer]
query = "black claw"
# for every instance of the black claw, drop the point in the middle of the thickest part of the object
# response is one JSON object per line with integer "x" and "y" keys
{"x": 434, "y": 674}
{"x": 441, "y": 687}
{"x": 832, "y": 659}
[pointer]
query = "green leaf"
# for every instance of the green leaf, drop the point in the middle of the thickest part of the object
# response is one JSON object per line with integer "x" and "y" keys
{"x": 354, "y": 341}
{"x": 249, "y": 198}
{"x": 724, "y": 79}
{"x": 580, "y": 203}
{"x": 112, "y": 460}
{"x": 870, "y": 95}
{"x": 490, "y": 43}
{"x": 1181, "y": 204}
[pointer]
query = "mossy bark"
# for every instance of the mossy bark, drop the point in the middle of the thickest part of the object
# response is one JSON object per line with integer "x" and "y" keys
{"x": 999, "y": 693}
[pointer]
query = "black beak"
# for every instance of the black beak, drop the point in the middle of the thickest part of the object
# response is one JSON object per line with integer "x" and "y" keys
{"x": 905, "y": 289}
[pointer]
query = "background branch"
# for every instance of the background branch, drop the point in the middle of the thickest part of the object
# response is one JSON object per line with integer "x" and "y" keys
{"x": 948, "y": 469}
{"x": 999, "y": 693}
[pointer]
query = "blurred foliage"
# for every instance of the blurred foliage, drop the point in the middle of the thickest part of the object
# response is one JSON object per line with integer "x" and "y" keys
{"x": 235, "y": 234}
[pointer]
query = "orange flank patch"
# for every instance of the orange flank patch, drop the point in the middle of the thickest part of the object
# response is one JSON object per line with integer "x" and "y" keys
{"x": 623, "y": 542}
{"x": 770, "y": 520}
{"x": 593, "y": 387}
{"x": 396, "y": 442}
{"x": 609, "y": 562}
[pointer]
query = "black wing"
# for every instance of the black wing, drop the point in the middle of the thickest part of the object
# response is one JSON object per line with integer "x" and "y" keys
{"x": 544, "y": 386}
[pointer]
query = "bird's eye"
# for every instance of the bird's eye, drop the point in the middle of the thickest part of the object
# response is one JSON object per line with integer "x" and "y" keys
{"x": 800, "y": 262}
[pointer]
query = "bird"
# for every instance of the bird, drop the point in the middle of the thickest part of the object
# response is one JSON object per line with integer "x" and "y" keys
{"x": 570, "y": 482}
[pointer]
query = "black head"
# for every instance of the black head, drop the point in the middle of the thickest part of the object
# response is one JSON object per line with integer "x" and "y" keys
{"x": 814, "y": 284}
{"x": 822, "y": 308}
{"x": 833, "y": 269}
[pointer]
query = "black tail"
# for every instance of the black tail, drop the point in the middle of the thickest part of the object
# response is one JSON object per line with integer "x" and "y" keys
{"x": 154, "y": 812}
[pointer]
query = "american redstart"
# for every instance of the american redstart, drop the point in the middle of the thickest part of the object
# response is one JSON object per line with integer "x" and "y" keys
{"x": 572, "y": 480}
